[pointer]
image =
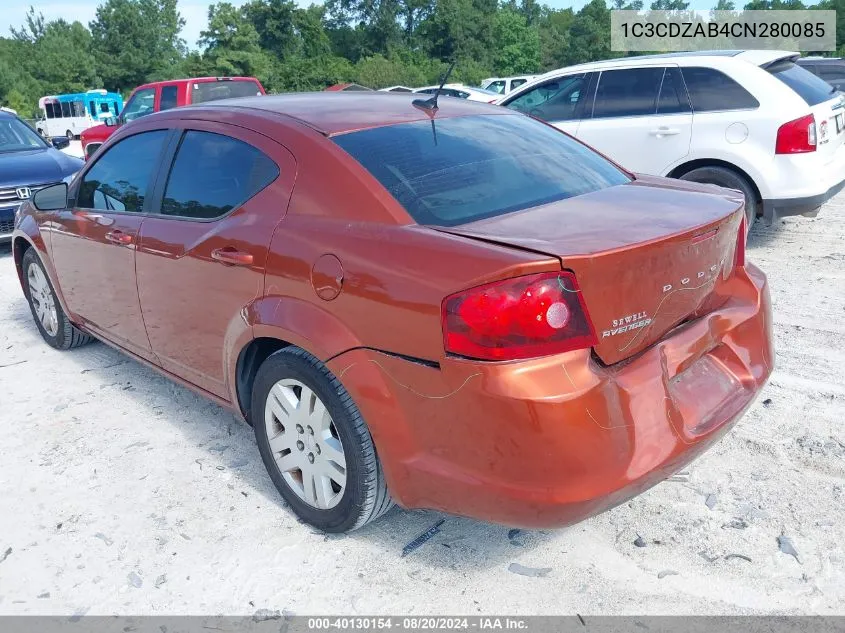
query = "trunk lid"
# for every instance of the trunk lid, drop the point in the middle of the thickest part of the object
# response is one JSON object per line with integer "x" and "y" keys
{"x": 647, "y": 255}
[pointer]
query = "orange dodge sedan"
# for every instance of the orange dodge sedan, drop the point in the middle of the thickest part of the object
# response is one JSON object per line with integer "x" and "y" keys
{"x": 449, "y": 306}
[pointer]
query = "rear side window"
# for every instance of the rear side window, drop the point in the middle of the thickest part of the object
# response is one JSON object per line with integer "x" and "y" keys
{"x": 468, "y": 168}
{"x": 214, "y": 90}
{"x": 168, "y": 98}
{"x": 630, "y": 92}
{"x": 810, "y": 88}
{"x": 119, "y": 180}
{"x": 213, "y": 174}
{"x": 516, "y": 83}
{"x": 711, "y": 91}
{"x": 673, "y": 96}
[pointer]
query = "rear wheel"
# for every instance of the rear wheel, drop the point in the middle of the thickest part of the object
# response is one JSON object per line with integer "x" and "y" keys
{"x": 48, "y": 314}
{"x": 725, "y": 177}
{"x": 69, "y": 134}
{"x": 315, "y": 445}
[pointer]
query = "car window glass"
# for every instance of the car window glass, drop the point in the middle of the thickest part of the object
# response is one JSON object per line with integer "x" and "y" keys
{"x": 118, "y": 181}
{"x": 711, "y": 91}
{"x": 629, "y": 92}
{"x": 66, "y": 109}
{"x": 832, "y": 72}
{"x": 141, "y": 104}
{"x": 672, "y": 98}
{"x": 168, "y": 98}
{"x": 516, "y": 83}
{"x": 213, "y": 174}
{"x": 214, "y": 90}
{"x": 497, "y": 86}
{"x": 814, "y": 90}
{"x": 474, "y": 167}
{"x": 555, "y": 100}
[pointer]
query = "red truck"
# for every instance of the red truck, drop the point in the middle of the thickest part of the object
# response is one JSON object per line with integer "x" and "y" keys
{"x": 163, "y": 95}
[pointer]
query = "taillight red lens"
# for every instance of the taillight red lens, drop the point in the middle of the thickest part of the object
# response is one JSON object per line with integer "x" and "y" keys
{"x": 522, "y": 317}
{"x": 797, "y": 137}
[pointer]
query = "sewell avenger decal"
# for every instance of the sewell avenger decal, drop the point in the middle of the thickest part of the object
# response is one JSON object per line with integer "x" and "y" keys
{"x": 641, "y": 319}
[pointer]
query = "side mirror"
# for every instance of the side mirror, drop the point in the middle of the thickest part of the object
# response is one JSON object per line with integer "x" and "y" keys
{"x": 53, "y": 198}
{"x": 110, "y": 121}
{"x": 60, "y": 142}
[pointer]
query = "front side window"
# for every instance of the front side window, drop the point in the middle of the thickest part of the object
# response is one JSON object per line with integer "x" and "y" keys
{"x": 48, "y": 109}
{"x": 213, "y": 174}
{"x": 712, "y": 91}
{"x": 475, "y": 167}
{"x": 556, "y": 100}
{"x": 168, "y": 98}
{"x": 119, "y": 180}
{"x": 141, "y": 104}
{"x": 497, "y": 86}
{"x": 93, "y": 109}
{"x": 628, "y": 92}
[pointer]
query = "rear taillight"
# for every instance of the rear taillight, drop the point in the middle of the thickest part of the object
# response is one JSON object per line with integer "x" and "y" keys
{"x": 741, "y": 238}
{"x": 797, "y": 137}
{"x": 522, "y": 317}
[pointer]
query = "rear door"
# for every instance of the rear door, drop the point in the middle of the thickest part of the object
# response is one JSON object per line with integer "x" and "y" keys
{"x": 95, "y": 240}
{"x": 201, "y": 256}
{"x": 560, "y": 101}
{"x": 640, "y": 118}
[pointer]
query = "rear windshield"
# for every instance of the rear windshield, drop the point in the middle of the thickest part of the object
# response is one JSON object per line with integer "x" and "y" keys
{"x": 809, "y": 87}
{"x": 214, "y": 90}
{"x": 456, "y": 170}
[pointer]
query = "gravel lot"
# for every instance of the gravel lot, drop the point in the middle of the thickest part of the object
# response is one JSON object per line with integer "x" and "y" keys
{"x": 121, "y": 492}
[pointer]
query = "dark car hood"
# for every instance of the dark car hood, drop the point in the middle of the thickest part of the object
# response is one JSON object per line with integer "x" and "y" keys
{"x": 36, "y": 167}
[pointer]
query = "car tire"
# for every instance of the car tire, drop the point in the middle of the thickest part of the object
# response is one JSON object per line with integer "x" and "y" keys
{"x": 69, "y": 135}
{"x": 725, "y": 177}
{"x": 306, "y": 423}
{"x": 49, "y": 317}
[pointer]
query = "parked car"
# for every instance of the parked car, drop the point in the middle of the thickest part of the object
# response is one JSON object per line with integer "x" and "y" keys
{"x": 504, "y": 85}
{"x": 748, "y": 120}
{"x": 27, "y": 163}
{"x": 480, "y": 315}
{"x": 164, "y": 95}
{"x": 831, "y": 69}
{"x": 347, "y": 87}
{"x": 461, "y": 91}
{"x": 396, "y": 89}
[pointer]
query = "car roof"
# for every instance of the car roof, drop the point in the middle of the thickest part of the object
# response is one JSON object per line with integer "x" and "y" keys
{"x": 193, "y": 79}
{"x": 333, "y": 113}
{"x": 756, "y": 57}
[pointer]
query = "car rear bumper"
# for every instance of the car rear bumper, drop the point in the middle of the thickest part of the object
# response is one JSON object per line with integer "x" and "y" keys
{"x": 549, "y": 442}
{"x": 807, "y": 205}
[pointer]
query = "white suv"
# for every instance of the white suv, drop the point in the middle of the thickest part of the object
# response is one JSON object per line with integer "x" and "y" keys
{"x": 748, "y": 120}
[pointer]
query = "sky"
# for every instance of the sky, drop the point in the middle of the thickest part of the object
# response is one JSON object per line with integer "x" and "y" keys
{"x": 195, "y": 12}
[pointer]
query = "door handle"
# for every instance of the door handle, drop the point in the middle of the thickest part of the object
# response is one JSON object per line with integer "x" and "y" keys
{"x": 118, "y": 237}
{"x": 665, "y": 131}
{"x": 231, "y": 256}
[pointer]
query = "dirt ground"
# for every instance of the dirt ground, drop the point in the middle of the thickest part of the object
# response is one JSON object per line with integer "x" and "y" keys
{"x": 122, "y": 493}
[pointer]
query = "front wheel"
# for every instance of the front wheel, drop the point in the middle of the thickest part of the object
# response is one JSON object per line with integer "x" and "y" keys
{"x": 69, "y": 135}
{"x": 315, "y": 445}
{"x": 49, "y": 317}
{"x": 725, "y": 177}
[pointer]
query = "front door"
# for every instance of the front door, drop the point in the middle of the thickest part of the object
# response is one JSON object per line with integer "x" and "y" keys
{"x": 641, "y": 118}
{"x": 201, "y": 259}
{"x": 94, "y": 241}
